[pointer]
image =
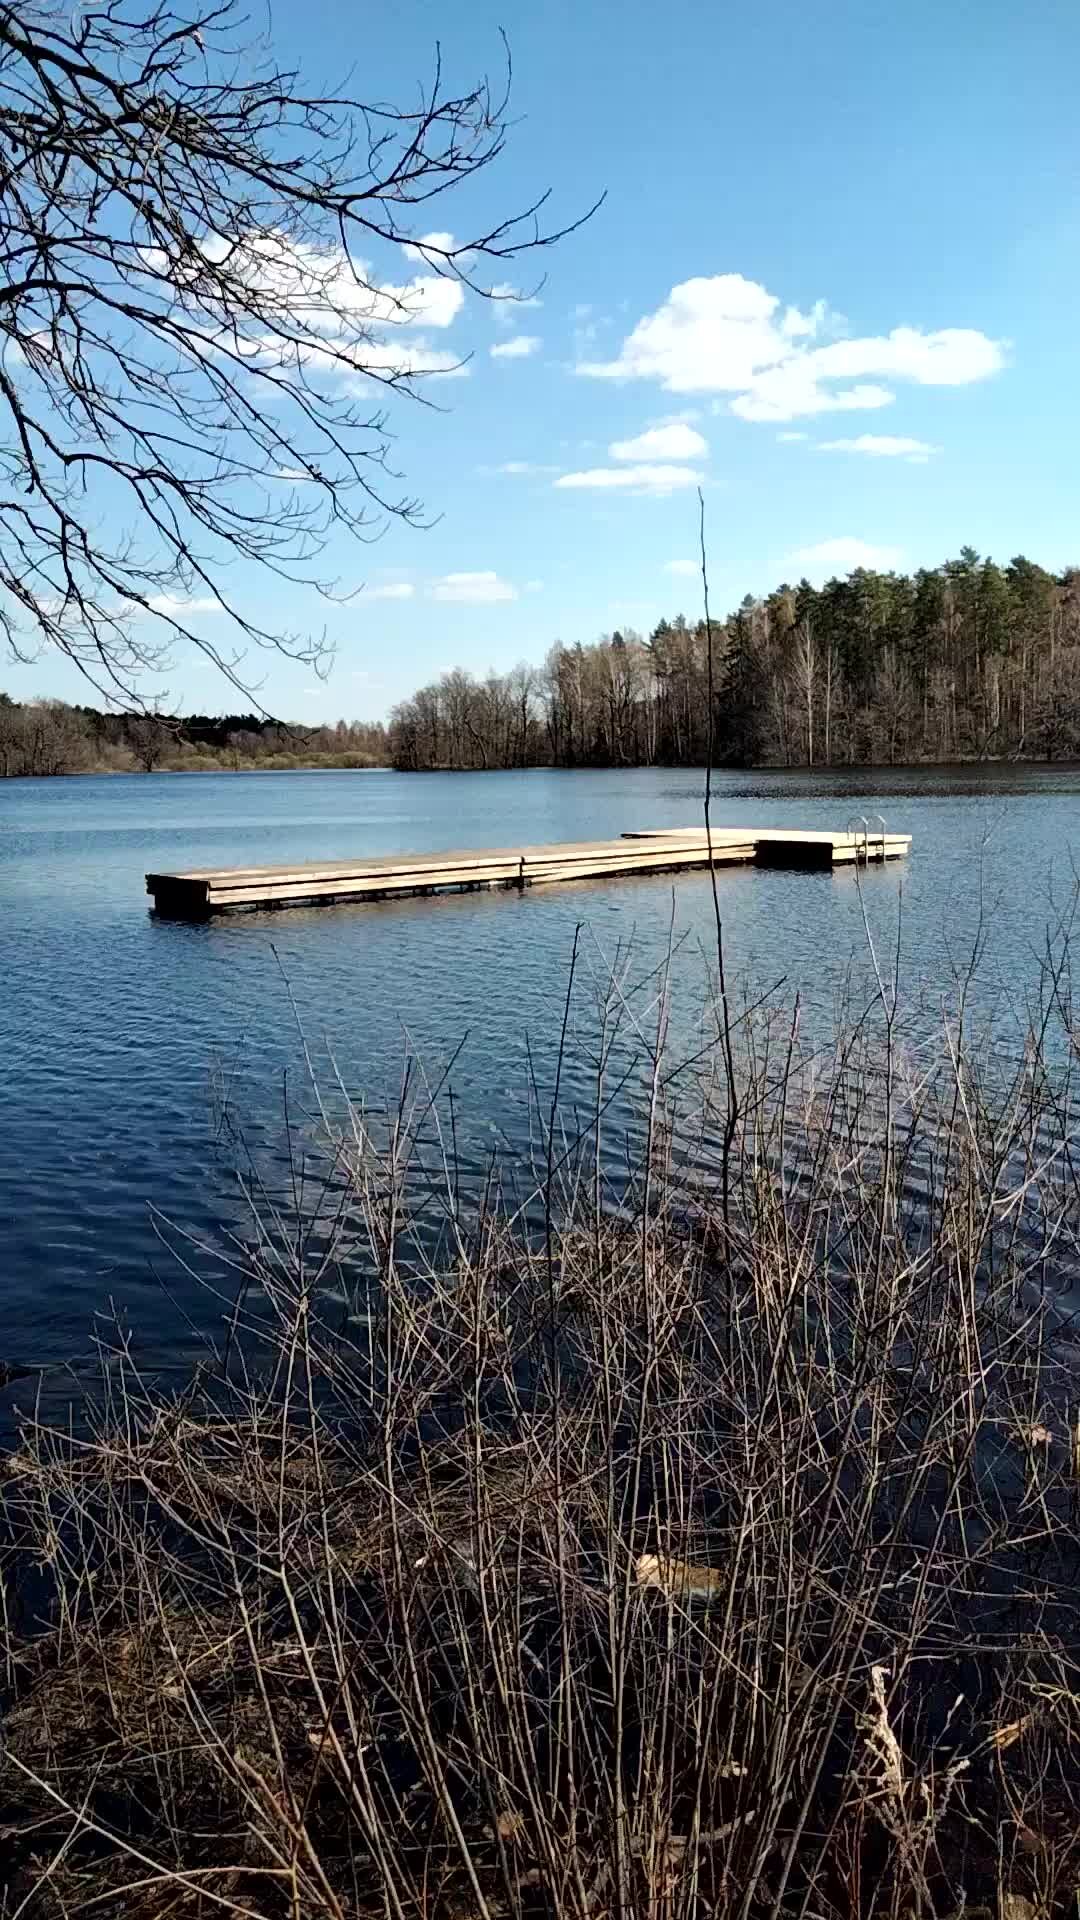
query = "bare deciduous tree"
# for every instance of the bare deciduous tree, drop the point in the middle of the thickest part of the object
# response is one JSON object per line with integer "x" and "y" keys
{"x": 194, "y": 342}
{"x": 805, "y": 664}
{"x": 148, "y": 739}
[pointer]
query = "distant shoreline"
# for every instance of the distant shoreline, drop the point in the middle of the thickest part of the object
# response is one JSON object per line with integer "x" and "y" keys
{"x": 849, "y": 767}
{"x": 200, "y": 767}
{"x": 662, "y": 767}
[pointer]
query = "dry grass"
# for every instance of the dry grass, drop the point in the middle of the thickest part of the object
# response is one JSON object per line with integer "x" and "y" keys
{"x": 654, "y": 1565}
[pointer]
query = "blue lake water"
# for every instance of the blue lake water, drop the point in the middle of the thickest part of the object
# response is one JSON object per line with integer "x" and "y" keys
{"x": 122, "y": 1036}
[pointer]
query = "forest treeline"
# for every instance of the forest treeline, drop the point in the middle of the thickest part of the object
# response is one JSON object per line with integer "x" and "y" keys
{"x": 50, "y": 737}
{"x": 964, "y": 661}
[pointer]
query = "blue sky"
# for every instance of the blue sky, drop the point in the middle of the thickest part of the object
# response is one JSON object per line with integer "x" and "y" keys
{"x": 835, "y": 278}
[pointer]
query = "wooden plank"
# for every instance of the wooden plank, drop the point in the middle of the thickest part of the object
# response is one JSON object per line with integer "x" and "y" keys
{"x": 779, "y": 846}
{"x": 809, "y": 835}
{"x": 685, "y": 860}
{"x": 429, "y": 869}
{"x": 392, "y": 863}
{"x": 372, "y": 885}
{"x": 433, "y": 878}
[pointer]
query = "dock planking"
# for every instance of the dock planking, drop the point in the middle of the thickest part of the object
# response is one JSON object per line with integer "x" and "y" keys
{"x": 197, "y": 893}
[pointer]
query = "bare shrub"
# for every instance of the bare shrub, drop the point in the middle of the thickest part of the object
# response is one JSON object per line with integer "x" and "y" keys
{"x": 590, "y": 1559}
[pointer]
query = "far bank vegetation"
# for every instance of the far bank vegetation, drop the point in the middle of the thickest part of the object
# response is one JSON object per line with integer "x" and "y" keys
{"x": 966, "y": 661}
{"x": 45, "y": 737}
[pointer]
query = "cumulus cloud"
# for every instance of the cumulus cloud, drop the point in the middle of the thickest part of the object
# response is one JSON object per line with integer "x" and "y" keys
{"x": 519, "y": 347}
{"x": 347, "y": 357}
{"x": 337, "y": 316}
{"x": 392, "y": 590}
{"x": 400, "y": 359}
{"x": 650, "y": 462}
{"x": 803, "y": 326}
{"x": 508, "y": 301}
{"x": 506, "y": 290}
{"x": 792, "y": 392}
{"x": 883, "y": 446}
{"x": 710, "y": 335}
{"x": 726, "y": 334}
{"x": 428, "y": 243}
{"x": 637, "y": 479}
{"x": 675, "y": 441}
{"x": 325, "y": 288}
{"x": 429, "y": 301}
{"x": 952, "y": 357}
{"x": 683, "y": 568}
{"x": 844, "y": 555}
{"x": 472, "y": 589}
{"x": 176, "y": 608}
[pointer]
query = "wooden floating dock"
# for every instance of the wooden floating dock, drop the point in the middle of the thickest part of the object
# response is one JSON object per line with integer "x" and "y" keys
{"x": 197, "y": 894}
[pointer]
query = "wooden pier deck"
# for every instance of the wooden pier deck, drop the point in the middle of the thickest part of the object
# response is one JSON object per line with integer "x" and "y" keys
{"x": 195, "y": 894}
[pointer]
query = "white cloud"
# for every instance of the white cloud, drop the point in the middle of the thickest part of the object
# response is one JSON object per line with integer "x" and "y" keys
{"x": 518, "y": 467}
{"x": 472, "y": 589}
{"x": 505, "y": 290}
{"x": 726, "y": 334}
{"x": 831, "y": 557}
{"x": 421, "y": 248}
{"x": 882, "y": 446}
{"x": 674, "y": 442}
{"x": 791, "y": 392}
{"x": 347, "y": 356}
{"x": 517, "y": 348}
{"x": 431, "y": 300}
{"x": 336, "y": 317}
{"x": 393, "y": 590}
{"x": 176, "y": 608}
{"x": 507, "y": 301}
{"x": 684, "y": 417}
{"x": 534, "y": 586}
{"x": 803, "y": 326}
{"x": 710, "y": 335}
{"x": 643, "y": 479}
{"x": 324, "y": 288}
{"x": 952, "y": 357}
{"x": 793, "y": 436}
{"x": 684, "y": 568}
{"x": 393, "y": 359}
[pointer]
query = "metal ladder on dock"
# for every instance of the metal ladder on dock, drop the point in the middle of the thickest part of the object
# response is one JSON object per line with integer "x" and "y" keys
{"x": 868, "y": 846}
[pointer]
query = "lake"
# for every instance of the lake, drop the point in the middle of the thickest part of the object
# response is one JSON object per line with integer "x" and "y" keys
{"x": 134, "y": 1047}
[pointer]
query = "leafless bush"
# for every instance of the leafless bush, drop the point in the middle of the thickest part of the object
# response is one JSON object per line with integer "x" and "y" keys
{"x": 590, "y": 1560}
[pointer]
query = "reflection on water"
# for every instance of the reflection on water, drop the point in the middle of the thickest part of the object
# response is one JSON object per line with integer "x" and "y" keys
{"x": 131, "y": 1044}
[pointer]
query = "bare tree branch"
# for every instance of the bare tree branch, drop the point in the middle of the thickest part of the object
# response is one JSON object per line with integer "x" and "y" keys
{"x": 193, "y": 331}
